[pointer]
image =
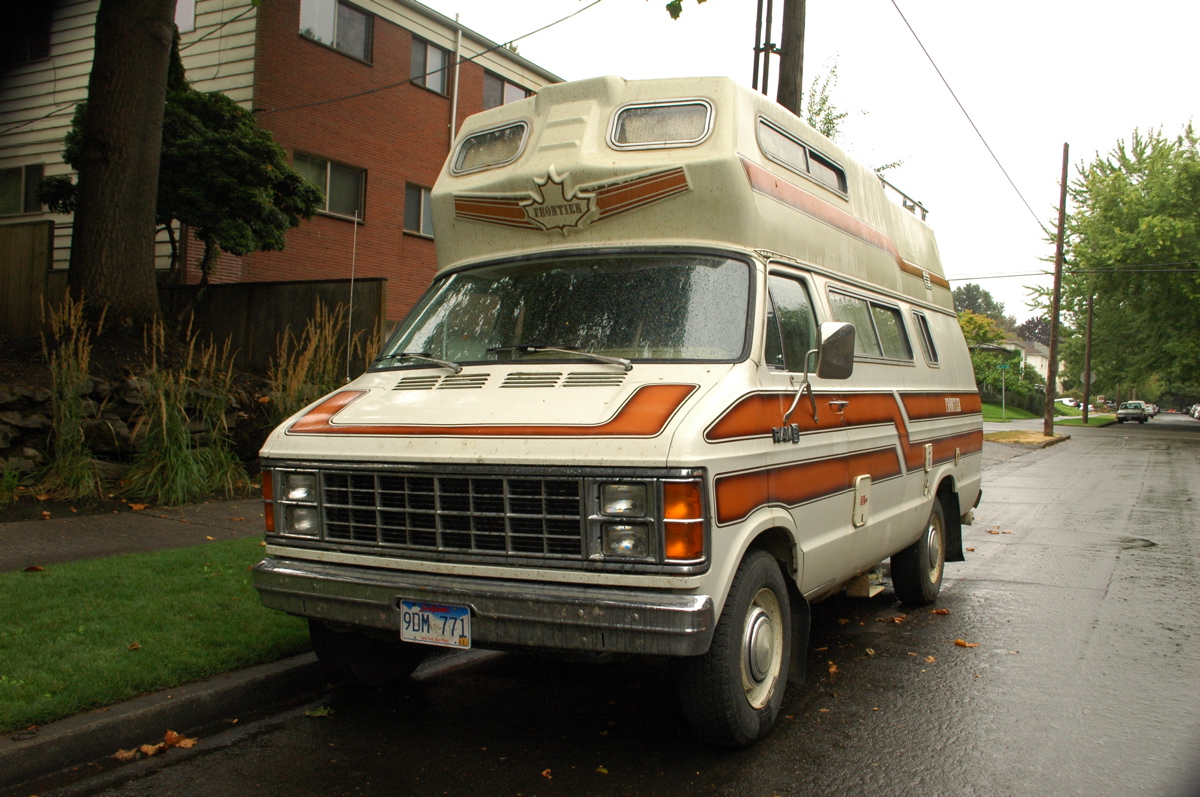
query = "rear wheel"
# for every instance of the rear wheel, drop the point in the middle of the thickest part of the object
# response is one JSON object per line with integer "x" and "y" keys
{"x": 917, "y": 570}
{"x": 731, "y": 694}
{"x": 360, "y": 657}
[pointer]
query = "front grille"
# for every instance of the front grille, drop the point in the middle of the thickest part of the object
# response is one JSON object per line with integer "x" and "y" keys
{"x": 478, "y": 515}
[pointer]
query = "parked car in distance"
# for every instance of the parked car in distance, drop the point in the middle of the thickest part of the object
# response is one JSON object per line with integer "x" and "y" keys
{"x": 1151, "y": 410}
{"x": 1132, "y": 411}
{"x": 1070, "y": 402}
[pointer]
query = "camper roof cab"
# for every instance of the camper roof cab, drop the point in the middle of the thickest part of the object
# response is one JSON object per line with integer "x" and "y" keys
{"x": 684, "y": 370}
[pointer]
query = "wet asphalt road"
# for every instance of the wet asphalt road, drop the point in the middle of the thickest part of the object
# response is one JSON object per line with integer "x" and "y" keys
{"x": 1083, "y": 678}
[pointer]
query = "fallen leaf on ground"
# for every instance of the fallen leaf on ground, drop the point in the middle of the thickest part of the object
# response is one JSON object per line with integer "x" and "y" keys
{"x": 319, "y": 711}
{"x": 939, "y": 611}
{"x": 602, "y": 770}
{"x": 870, "y": 651}
{"x": 546, "y": 774}
{"x": 209, "y": 538}
{"x": 138, "y": 507}
{"x": 843, "y": 621}
{"x": 900, "y": 618}
{"x": 35, "y": 569}
{"x": 971, "y": 550}
{"x": 152, "y": 749}
{"x": 45, "y": 515}
{"x": 134, "y": 646}
{"x": 237, "y": 518}
{"x": 833, "y": 669}
{"x": 931, "y": 660}
{"x": 173, "y": 739}
{"x": 43, "y": 496}
{"x": 963, "y": 644}
{"x": 992, "y": 531}
{"x": 125, "y": 755}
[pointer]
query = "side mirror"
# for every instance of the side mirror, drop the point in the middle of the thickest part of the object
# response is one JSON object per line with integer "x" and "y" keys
{"x": 835, "y": 355}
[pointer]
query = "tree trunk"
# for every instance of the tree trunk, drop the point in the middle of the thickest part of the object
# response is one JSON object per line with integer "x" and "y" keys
{"x": 790, "y": 91}
{"x": 112, "y": 248}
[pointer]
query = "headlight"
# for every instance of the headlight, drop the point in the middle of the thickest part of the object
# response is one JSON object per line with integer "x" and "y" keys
{"x": 627, "y": 540}
{"x": 623, "y": 500}
{"x": 302, "y": 521}
{"x": 300, "y": 486}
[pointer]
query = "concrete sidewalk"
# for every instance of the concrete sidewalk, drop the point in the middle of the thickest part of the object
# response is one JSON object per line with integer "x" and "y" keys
{"x": 192, "y": 708}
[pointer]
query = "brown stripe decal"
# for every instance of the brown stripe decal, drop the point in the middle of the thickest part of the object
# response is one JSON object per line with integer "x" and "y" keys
{"x": 623, "y": 197}
{"x": 792, "y": 195}
{"x": 923, "y": 406}
{"x": 497, "y": 210}
{"x": 740, "y": 494}
{"x": 644, "y": 414}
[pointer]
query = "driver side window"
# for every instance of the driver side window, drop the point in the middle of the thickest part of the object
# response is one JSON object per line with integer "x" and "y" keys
{"x": 791, "y": 324}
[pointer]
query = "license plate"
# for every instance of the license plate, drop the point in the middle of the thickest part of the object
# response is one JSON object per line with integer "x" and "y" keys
{"x": 435, "y": 624}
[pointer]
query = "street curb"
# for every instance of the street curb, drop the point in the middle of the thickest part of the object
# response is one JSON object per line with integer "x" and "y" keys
{"x": 186, "y": 709}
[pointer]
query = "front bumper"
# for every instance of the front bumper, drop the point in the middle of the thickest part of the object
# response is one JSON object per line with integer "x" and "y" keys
{"x": 503, "y": 612}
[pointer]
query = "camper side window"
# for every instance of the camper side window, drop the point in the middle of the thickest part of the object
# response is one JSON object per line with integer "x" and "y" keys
{"x": 791, "y": 324}
{"x": 925, "y": 337}
{"x": 879, "y": 327}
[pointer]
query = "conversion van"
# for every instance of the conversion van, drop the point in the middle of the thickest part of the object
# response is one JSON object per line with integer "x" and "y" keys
{"x": 684, "y": 370}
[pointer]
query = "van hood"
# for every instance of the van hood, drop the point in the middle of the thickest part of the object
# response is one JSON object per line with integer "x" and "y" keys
{"x": 545, "y": 416}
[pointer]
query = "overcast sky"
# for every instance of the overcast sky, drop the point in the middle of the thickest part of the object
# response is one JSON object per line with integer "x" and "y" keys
{"x": 1031, "y": 75}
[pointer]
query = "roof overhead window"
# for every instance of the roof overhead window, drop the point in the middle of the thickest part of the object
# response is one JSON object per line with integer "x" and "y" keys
{"x": 663, "y": 124}
{"x": 490, "y": 149}
{"x": 793, "y": 154}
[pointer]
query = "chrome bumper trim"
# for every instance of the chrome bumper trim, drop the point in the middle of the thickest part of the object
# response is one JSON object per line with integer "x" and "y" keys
{"x": 503, "y": 612}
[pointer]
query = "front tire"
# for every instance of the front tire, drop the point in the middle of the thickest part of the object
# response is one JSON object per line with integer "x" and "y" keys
{"x": 731, "y": 694}
{"x": 360, "y": 658}
{"x": 917, "y": 570}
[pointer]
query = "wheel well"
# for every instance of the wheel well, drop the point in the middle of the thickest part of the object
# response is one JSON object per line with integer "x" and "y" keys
{"x": 948, "y": 495}
{"x": 778, "y": 543}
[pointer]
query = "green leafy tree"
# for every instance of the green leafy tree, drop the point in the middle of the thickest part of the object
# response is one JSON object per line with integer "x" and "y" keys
{"x": 976, "y": 299}
{"x": 1035, "y": 329}
{"x": 980, "y": 329}
{"x": 1134, "y": 245}
{"x": 220, "y": 174}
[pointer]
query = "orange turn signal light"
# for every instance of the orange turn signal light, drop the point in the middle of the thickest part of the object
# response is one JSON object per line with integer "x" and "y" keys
{"x": 683, "y": 514}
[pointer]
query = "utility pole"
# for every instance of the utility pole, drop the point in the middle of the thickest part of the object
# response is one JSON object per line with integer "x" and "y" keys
{"x": 1087, "y": 363}
{"x": 790, "y": 89}
{"x": 1052, "y": 368}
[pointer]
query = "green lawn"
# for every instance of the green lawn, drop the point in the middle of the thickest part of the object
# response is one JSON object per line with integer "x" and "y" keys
{"x": 1064, "y": 415}
{"x": 83, "y": 635}
{"x": 991, "y": 412}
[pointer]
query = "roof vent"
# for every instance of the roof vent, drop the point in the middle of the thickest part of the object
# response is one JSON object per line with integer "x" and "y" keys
{"x": 524, "y": 379}
{"x": 593, "y": 379}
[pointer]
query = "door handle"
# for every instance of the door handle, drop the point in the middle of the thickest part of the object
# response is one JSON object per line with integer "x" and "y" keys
{"x": 838, "y": 405}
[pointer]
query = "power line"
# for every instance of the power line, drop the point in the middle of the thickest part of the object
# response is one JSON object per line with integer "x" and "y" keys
{"x": 1144, "y": 268}
{"x": 969, "y": 119}
{"x": 434, "y": 72}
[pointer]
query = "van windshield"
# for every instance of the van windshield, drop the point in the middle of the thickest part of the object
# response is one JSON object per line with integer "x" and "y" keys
{"x": 633, "y": 307}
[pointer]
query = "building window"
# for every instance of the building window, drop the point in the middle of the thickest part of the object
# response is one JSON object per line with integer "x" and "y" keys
{"x": 185, "y": 15}
{"x": 418, "y": 210}
{"x": 429, "y": 64}
{"x": 343, "y": 27}
{"x": 342, "y": 185}
{"x": 25, "y": 33}
{"x": 18, "y": 190}
{"x": 497, "y": 91}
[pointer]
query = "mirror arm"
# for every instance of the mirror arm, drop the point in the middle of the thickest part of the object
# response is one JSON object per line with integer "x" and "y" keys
{"x": 804, "y": 386}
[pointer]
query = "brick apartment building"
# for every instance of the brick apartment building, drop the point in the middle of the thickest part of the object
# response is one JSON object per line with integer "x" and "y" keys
{"x": 364, "y": 98}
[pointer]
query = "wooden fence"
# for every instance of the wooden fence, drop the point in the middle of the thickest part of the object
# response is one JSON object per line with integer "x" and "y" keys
{"x": 26, "y": 250}
{"x": 254, "y": 316}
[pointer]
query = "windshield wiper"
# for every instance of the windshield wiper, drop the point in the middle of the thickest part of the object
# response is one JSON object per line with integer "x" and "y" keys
{"x": 533, "y": 348}
{"x": 418, "y": 355}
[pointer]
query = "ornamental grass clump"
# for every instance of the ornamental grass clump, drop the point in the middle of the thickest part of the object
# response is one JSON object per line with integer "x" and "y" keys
{"x": 72, "y": 472}
{"x": 318, "y": 361}
{"x": 185, "y": 452}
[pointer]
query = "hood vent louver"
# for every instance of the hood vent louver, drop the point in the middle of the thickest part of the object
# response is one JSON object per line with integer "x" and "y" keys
{"x": 534, "y": 379}
{"x": 593, "y": 379}
{"x": 456, "y": 382}
{"x": 464, "y": 382}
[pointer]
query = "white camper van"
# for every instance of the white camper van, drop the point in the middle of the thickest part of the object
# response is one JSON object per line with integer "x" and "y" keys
{"x": 684, "y": 370}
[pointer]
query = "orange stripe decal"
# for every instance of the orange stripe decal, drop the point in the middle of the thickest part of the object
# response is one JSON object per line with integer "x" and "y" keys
{"x": 790, "y": 485}
{"x": 644, "y": 414}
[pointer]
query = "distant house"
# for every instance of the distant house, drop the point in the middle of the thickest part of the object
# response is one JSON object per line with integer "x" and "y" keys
{"x": 365, "y": 99}
{"x": 1034, "y": 354}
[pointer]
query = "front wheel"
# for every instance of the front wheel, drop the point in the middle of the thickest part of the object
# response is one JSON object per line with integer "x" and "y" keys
{"x": 917, "y": 570}
{"x": 731, "y": 694}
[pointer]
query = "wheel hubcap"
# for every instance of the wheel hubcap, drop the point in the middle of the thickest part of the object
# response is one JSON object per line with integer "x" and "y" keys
{"x": 762, "y": 648}
{"x": 933, "y": 539}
